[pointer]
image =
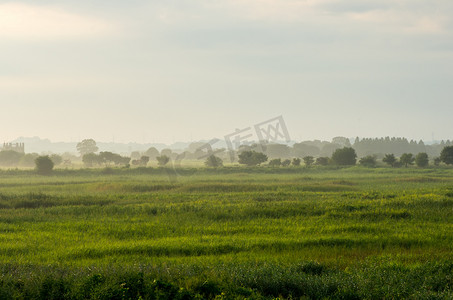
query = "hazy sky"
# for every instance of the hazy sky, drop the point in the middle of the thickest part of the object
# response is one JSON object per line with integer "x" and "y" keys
{"x": 179, "y": 70}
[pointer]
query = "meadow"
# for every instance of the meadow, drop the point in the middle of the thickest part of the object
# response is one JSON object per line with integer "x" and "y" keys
{"x": 231, "y": 233}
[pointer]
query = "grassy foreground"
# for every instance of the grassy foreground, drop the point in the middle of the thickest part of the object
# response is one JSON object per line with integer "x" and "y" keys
{"x": 348, "y": 233}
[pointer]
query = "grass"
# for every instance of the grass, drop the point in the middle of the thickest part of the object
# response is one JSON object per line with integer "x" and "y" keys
{"x": 340, "y": 233}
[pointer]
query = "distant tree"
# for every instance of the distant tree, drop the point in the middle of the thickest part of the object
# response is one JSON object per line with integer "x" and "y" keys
{"x": 166, "y": 152}
{"x": 152, "y": 153}
{"x": 437, "y": 161}
{"x": 344, "y": 157}
{"x": 277, "y": 150}
{"x": 252, "y": 158}
{"x": 286, "y": 162}
{"x": 407, "y": 159}
{"x": 322, "y": 161}
{"x": 87, "y": 146}
{"x": 213, "y": 161}
{"x": 390, "y": 159}
{"x": 144, "y": 160}
{"x": 90, "y": 159}
{"x": 304, "y": 149}
{"x": 422, "y": 160}
{"x": 10, "y": 158}
{"x": 56, "y": 159}
{"x": 329, "y": 149}
{"x": 276, "y": 162}
{"x": 135, "y": 155}
{"x": 296, "y": 162}
{"x": 308, "y": 160}
{"x": 162, "y": 160}
{"x": 368, "y": 161}
{"x": 340, "y": 140}
{"x": 28, "y": 160}
{"x": 446, "y": 155}
{"x": 107, "y": 157}
{"x": 44, "y": 165}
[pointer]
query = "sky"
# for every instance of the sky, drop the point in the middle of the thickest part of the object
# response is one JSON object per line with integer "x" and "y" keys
{"x": 182, "y": 70}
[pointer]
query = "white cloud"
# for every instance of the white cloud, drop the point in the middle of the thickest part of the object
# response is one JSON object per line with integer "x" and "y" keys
{"x": 23, "y": 21}
{"x": 401, "y": 16}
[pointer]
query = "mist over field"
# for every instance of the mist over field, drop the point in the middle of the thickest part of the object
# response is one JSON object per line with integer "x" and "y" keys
{"x": 162, "y": 72}
{"x": 228, "y": 149}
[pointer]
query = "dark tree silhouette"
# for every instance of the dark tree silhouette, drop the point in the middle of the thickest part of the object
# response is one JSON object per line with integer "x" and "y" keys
{"x": 276, "y": 162}
{"x": 446, "y": 155}
{"x": 322, "y": 161}
{"x": 252, "y": 158}
{"x": 344, "y": 157}
{"x": 162, "y": 160}
{"x": 368, "y": 161}
{"x": 390, "y": 159}
{"x": 407, "y": 159}
{"x": 44, "y": 165}
{"x": 308, "y": 160}
{"x": 296, "y": 162}
{"x": 422, "y": 160}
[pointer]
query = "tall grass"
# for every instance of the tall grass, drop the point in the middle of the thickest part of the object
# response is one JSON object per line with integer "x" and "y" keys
{"x": 336, "y": 233}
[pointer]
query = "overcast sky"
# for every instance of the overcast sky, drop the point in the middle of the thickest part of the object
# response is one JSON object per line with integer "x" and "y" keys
{"x": 180, "y": 70}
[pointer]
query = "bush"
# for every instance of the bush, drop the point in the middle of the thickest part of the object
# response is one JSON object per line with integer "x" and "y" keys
{"x": 308, "y": 160}
{"x": 162, "y": 160}
{"x": 344, "y": 157}
{"x": 422, "y": 160}
{"x": 213, "y": 161}
{"x": 446, "y": 155}
{"x": 276, "y": 162}
{"x": 368, "y": 161}
{"x": 322, "y": 161}
{"x": 44, "y": 165}
{"x": 286, "y": 163}
{"x": 252, "y": 158}
{"x": 407, "y": 159}
{"x": 390, "y": 159}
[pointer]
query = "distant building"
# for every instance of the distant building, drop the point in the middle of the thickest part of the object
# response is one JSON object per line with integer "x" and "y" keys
{"x": 18, "y": 147}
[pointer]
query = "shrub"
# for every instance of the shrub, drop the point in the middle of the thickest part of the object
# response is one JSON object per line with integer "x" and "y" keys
{"x": 276, "y": 162}
{"x": 286, "y": 163}
{"x": 44, "y": 165}
{"x": 308, "y": 160}
{"x": 344, "y": 157}
{"x": 368, "y": 161}
{"x": 213, "y": 161}
{"x": 446, "y": 155}
{"x": 252, "y": 158}
{"x": 322, "y": 161}
{"x": 422, "y": 160}
{"x": 162, "y": 160}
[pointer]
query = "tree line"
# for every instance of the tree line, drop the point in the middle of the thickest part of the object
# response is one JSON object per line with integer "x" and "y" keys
{"x": 250, "y": 155}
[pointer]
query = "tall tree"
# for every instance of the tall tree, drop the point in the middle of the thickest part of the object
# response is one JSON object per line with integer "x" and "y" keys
{"x": 407, "y": 159}
{"x": 422, "y": 160}
{"x": 446, "y": 155}
{"x": 44, "y": 165}
{"x": 308, "y": 160}
{"x": 345, "y": 156}
{"x": 390, "y": 159}
{"x": 87, "y": 146}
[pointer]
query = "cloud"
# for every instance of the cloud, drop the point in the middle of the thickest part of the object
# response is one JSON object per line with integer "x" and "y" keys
{"x": 25, "y": 22}
{"x": 397, "y": 16}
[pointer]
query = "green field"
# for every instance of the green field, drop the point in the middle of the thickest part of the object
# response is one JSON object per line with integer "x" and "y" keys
{"x": 346, "y": 233}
